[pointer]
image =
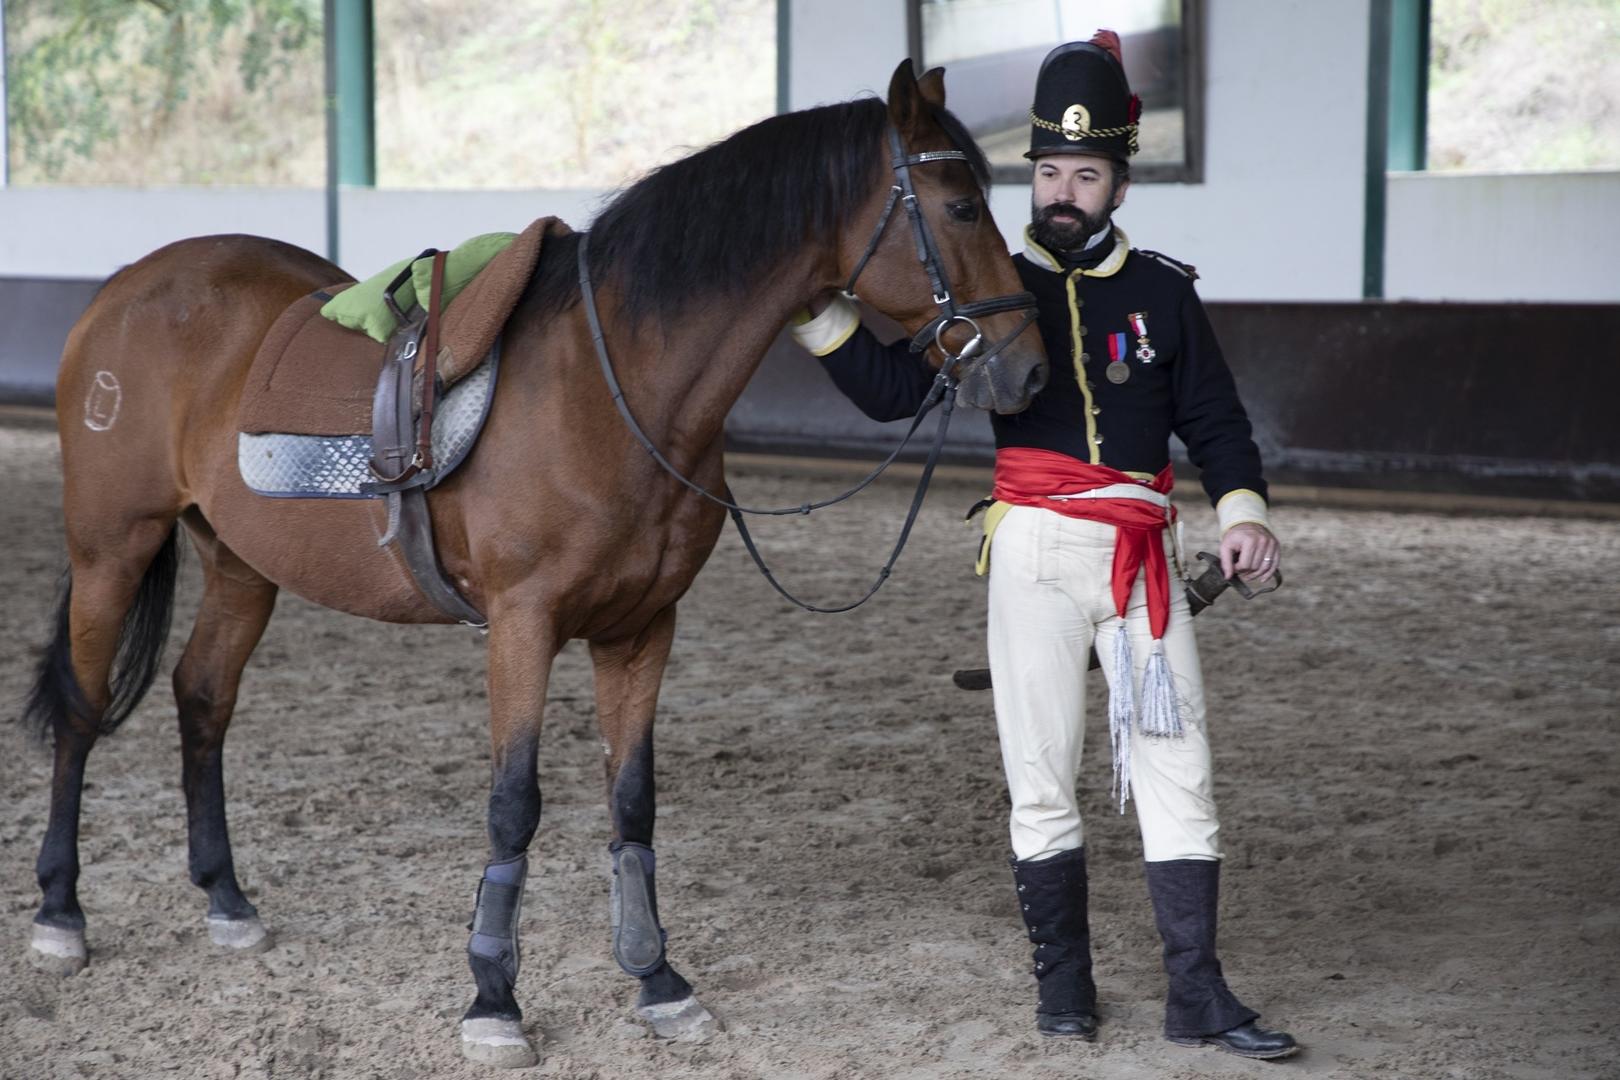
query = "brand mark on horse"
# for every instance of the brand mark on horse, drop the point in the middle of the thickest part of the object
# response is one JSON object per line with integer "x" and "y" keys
{"x": 101, "y": 403}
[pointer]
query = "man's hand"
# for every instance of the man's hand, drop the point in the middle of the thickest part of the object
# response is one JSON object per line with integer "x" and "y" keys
{"x": 1251, "y": 552}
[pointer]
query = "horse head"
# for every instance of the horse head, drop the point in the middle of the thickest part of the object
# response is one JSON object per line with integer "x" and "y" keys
{"x": 942, "y": 270}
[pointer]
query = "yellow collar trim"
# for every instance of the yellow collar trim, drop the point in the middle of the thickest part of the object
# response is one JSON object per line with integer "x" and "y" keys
{"x": 1039, "y": 255}
{"x": 1107, "y": 268}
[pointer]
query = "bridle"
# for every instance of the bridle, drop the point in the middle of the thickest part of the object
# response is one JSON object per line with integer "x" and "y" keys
{"x": 933, "y": 333}
{"x": 943, "y": 389}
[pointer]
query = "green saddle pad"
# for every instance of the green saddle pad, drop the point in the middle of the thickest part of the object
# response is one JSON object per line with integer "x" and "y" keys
{"x": 363, "y": 308}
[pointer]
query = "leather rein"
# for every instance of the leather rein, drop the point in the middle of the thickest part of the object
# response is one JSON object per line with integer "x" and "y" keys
{"x": 943, "y": 389}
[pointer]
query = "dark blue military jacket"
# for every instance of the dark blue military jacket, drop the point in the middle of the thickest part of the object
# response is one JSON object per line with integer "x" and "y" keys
{"x": 1185, "y": 389}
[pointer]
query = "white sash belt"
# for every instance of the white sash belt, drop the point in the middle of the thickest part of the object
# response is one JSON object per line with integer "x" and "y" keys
{"x": 1122, "y": 491}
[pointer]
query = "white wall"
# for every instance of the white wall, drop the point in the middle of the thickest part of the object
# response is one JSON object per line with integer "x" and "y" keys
{"x": 1549, "y": 236}
{"x": 1280, "y": 213}
{"x": 90, "y": 232}
{"x": 1278, "y": 216}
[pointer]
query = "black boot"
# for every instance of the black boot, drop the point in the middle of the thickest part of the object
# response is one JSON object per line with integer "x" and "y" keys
{"x": 1199, "y": 1008}
{"x": 1052, "y": 899}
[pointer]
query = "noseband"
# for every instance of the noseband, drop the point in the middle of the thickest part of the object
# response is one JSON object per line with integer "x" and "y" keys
{"x": 950, "y": 311}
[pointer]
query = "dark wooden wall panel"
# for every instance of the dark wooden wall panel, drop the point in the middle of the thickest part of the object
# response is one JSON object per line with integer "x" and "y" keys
{"x": 1505, "y": 399}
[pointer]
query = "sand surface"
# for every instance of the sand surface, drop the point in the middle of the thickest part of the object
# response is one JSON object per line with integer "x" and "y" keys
{"x": 1416, "y": 764}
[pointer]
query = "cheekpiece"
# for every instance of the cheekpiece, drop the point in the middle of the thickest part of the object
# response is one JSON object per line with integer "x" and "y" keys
{"x": 1083, "y": 105}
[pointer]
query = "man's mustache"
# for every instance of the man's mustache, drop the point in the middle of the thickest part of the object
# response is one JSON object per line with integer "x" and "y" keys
{"x": 1051, "y": 210}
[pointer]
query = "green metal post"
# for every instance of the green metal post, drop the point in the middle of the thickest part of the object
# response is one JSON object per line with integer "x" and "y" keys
{"x": 784, "y": 56}
{"x": 1377, "y": 179}
{"x": 1409, "y": 85}
{"x": 356, "y": 93}
{"x": 5, "y": 107}
{"x": 351, "y": 144}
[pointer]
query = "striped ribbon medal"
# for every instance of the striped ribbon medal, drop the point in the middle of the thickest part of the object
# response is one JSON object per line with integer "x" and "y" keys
{"x": 1117, "y": 370}
{"x": 1144, "y": 347}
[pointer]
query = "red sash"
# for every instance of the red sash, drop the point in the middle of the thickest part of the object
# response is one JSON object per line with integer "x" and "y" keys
{"x": 1027, "y": 477}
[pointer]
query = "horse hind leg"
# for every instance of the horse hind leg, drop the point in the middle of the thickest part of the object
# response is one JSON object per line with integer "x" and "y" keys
{"x": 111, "y": 625}
{"x": 236, "y": 605}
{"x": 628, "y": 675}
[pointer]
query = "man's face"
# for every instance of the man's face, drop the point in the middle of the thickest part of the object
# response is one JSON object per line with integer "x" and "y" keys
{"x": 1072, "y": 198}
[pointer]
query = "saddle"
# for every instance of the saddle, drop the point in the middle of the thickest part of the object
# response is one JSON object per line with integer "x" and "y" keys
{"x": 312, "y": 376}
{"x": 317, "y": 389}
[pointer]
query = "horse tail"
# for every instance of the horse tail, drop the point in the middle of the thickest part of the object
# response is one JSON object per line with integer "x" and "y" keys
{"x": 56, "y": 693}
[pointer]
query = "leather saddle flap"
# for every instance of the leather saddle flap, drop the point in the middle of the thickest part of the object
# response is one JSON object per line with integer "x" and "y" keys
{"x": 474, "y": 319}
{"x": 310, "y": 375}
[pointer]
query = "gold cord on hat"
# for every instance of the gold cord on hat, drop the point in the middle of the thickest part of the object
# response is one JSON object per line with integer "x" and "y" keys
{"x": 1087, "y": 133}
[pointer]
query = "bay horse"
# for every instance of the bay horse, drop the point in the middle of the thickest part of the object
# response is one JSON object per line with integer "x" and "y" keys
{"x": 558, "y": 526}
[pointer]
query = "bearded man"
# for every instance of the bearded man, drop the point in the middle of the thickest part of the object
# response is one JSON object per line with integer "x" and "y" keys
{"x": 1079, "y": 545}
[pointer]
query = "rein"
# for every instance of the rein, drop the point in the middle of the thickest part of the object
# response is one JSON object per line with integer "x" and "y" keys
{"x": 942, "y": 390}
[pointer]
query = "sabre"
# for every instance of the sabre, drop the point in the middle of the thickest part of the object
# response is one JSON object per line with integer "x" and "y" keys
{"x": 1202, "y": 591}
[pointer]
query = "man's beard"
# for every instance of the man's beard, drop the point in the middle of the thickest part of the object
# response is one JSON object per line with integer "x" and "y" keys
{"x": 1065, "y": 235}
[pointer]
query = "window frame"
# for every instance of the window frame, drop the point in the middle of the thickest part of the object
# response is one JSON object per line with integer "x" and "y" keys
{"x": 1191, "y": 170}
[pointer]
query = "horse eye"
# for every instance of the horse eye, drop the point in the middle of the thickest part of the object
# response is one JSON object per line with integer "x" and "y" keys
{"x": 967, "y": 210}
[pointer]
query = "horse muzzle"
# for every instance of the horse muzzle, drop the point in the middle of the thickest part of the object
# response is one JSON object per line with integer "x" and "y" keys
{"x": 1005, "y": 383}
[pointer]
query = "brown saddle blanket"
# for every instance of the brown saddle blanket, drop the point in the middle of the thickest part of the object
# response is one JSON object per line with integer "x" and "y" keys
{"x": 314, "y": 377}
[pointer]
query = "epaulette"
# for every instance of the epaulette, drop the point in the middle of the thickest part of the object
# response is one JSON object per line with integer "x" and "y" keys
{"x": 1185, "y": 269}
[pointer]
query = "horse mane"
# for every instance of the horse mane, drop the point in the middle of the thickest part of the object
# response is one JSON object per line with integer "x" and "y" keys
{"x": 716, "y": 221}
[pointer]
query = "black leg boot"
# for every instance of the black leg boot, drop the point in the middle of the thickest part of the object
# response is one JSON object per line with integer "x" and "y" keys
{"x": 1199, "y": 1008}
{"x": 1052, "y": 899}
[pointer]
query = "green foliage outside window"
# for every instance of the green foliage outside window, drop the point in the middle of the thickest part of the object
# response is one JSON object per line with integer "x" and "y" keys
{"x": 98, "y": 90}
{"x": 1519, "y": 85}
{"x": 520, "y": 94}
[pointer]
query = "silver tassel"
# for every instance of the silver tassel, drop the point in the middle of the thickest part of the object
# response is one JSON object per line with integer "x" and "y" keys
{"x": 1161, "y": 708}
{"x": 1121, "y": 713}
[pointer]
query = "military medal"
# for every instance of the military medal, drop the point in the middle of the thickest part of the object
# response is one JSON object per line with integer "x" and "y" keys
{"x": 1144, "y": 347}
{"x": 1117, "y": 370}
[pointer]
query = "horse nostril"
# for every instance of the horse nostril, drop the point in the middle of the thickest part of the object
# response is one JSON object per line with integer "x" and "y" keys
{"x": 1035, "y": 380}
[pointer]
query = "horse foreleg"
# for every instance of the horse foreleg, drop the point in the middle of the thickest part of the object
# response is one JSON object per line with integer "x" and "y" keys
{"x": 628, "y": 674}
{"x": 236, "y": 605}
{"x": 521, "y": 650}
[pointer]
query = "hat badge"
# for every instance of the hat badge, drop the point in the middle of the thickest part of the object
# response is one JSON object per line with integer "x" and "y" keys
{"x": 1076, "y": 123}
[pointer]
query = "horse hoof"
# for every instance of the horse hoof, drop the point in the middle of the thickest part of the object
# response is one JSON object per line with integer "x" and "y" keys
{"x": 685, "y": 1020}
{"x": 490, "y": 1040}
{"x": 58, "y": 951}
{"x": 239, "y": 935}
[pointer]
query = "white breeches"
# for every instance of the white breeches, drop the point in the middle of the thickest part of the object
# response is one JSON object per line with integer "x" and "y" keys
{"x": 1050, "y": 601}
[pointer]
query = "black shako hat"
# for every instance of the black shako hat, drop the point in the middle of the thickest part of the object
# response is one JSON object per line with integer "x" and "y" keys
{"x": 1083, "y": 105}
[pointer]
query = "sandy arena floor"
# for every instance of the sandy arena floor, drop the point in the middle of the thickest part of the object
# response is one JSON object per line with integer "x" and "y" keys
{"x": 1416, "y": 744}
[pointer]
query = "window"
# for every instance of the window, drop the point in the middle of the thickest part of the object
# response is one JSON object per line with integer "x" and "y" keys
{"x": 1523, "y": 85}
{"x": 184, "y": 92}
{"x": 584, "y": 94}
{"x": 992, "y": 50}
{"x": 524, "y": 94}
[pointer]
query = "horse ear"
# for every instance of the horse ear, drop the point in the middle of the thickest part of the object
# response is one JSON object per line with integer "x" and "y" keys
{"x": 904, "y": 102}
{"x": 932, "y": 87}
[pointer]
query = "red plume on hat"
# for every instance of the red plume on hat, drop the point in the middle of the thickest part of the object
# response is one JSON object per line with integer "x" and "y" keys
{"x": 1108, "y": 41}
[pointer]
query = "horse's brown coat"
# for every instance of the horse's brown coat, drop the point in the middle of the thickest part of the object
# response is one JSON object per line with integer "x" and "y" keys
{"x": 558, "y": 526}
